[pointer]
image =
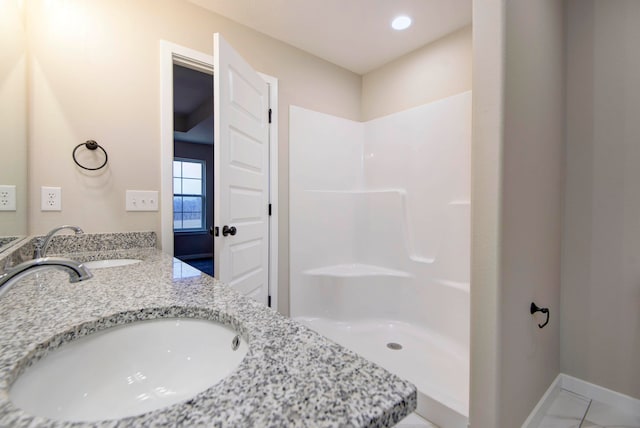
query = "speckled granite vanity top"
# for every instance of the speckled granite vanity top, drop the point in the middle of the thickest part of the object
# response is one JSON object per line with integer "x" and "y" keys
{"x": 291, "y": 376}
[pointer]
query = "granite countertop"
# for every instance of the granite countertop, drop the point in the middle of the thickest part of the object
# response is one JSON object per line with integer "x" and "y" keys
{"x": 291, "y": 376}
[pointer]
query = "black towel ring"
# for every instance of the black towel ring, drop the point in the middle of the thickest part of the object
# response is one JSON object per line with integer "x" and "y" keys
{"x": 534, "y": 308}
{"x": 90, "y": 145}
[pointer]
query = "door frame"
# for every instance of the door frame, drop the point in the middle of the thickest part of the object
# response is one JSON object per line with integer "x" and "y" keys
{"x": 170, "y": 54}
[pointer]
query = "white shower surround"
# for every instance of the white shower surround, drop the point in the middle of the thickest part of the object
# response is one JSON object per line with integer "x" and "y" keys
{"x": 380, "y": 242}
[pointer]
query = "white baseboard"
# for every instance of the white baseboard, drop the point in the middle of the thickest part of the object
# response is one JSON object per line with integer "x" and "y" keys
{"x": 578, "y": 386}
{"x": 538, "y": 412}
{"x": 598, "y": 393}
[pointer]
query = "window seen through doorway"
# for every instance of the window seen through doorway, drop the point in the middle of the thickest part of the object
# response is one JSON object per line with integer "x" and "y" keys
{"x": 189, "y": 195}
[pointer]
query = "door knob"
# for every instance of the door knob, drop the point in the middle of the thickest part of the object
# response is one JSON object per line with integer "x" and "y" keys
{"x": 226, "y": 230}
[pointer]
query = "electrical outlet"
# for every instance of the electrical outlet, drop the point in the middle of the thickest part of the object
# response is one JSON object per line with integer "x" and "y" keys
{"x": 51, "y": 199}
{"x": 142, "y": 200}
{"x": 7, "y": 198}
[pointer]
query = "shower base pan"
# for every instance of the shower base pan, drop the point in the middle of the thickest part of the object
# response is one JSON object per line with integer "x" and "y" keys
{"x": 436, "y": 367}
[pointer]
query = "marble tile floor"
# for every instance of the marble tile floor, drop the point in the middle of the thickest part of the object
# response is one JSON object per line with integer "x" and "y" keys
{"x": 571, "y": 410}
{"x": 602, "y": 415}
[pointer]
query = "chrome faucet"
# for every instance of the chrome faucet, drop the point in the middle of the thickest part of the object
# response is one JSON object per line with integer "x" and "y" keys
{"x": 77, "y": 271}
{"x": 42, "y": 244}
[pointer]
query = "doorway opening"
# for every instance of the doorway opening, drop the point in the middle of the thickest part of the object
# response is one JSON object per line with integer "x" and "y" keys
{"x": 193, "y": 165}
{"x": 228, "y": 268}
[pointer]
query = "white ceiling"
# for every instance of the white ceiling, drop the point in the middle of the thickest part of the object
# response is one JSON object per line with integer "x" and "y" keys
{"x": 355, "y": 34}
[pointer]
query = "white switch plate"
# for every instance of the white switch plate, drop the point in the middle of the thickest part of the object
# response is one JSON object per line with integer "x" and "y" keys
{"x": 7, "y": 198}
{"x": 142, "y": 200}
{"x": 50, "y": 198}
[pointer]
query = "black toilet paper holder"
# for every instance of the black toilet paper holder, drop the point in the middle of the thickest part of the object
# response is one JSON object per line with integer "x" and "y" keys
{"x": 534, "y": 308}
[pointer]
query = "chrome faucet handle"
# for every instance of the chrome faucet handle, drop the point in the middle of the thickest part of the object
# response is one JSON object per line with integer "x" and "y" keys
{"x": 37, "y": 247}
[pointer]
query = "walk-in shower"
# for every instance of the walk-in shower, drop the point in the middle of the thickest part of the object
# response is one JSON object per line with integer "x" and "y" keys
{"x": 380, "y": 242}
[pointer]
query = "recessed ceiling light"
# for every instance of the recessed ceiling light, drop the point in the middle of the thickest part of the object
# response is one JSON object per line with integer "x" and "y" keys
{"x": 401, "y": 23}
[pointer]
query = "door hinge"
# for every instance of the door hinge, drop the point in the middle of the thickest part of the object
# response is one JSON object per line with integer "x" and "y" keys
{"x": 270, "y": 111}
{"x": 269, "y": 301}
{"x": 269, "y": 209}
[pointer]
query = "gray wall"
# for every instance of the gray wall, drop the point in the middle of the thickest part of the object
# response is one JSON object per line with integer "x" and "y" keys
{"x": 532, "y": 202}
{"x": 517, "y": 206}
{"x": 436, "y": 70}
{"x": 601, "y": 250}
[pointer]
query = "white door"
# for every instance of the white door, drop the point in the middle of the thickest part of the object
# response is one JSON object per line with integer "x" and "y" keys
{"x": 241, "y": 173}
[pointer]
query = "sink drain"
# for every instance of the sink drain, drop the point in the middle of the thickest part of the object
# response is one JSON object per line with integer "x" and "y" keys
{"x": 235, "y": 343}
{"x": 394, "y": 346}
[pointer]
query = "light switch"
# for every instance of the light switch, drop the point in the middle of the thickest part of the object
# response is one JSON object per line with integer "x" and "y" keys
{"x": 7, "y": 198}
{"x": 142, "y": 200}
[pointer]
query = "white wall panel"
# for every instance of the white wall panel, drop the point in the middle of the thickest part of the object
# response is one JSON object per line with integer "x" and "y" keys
{"x": 391, "y": 193}
{"x": 325, "y": 154}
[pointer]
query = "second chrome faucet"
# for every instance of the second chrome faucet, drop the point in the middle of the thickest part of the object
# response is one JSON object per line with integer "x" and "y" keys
{"x": 42, "y": 244}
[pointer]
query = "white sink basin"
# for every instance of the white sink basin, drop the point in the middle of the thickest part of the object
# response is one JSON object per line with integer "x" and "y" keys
{"x": 100, "y": 264}
{"x": 128, "y": 370}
